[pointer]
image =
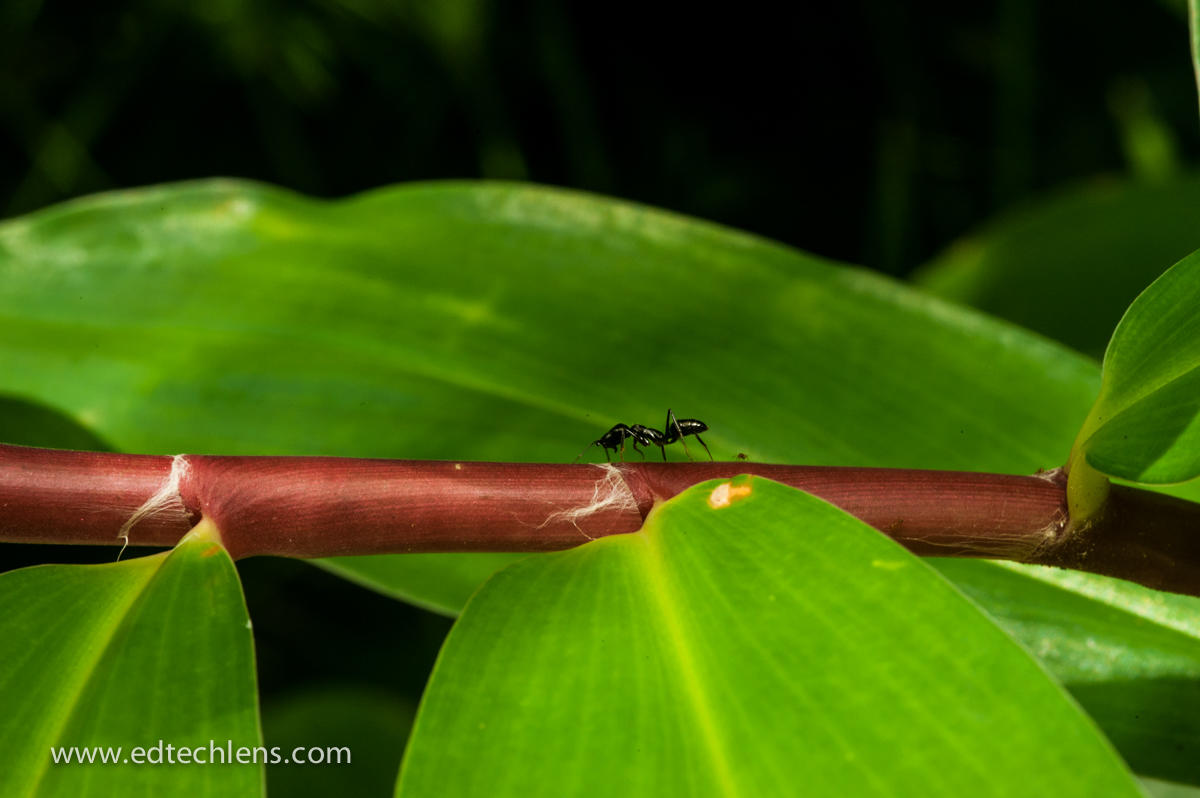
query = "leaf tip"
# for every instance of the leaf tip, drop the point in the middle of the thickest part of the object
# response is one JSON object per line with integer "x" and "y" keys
{"x": 207, "y": 533}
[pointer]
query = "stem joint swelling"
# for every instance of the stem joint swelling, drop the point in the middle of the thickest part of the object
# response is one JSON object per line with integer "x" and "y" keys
{"x": 168, "y": 499}
{"x": 325, "y": 506}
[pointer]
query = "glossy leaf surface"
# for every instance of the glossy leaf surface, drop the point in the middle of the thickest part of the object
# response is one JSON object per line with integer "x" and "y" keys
{"x": 1145, "y": 425}
{"x": 1069, "y": 265}
{"x": 497, "y": 322}
{"x": 500, "y": 322}
{"x": 764, "y": 647}
{"x": 145, "y": 653}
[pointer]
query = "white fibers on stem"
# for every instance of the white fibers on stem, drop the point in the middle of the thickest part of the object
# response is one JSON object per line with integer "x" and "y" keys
{"x": 165, "y": 499}
{"x": 610, "y": 493}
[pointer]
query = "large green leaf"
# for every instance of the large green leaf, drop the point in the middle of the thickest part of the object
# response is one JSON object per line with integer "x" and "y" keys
{"x": 146, "y": 653}
{"x": 244, "y": 319}
{"x": 505, "y": 322}
{"x": 497, "y": 322}
{"x": 768, "y": 646}
{"x": 1068, "y": 265}
{"x": 1145, "y": 425}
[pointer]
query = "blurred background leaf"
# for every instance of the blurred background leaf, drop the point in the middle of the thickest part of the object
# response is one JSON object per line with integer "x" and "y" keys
{"x": 477, "y": 320}
{"x": 1129, "y": 655}
{"x": 1070, "y": 264}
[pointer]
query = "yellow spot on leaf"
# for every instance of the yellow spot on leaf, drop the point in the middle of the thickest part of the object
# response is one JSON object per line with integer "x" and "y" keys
{"x": 727, "y": 493}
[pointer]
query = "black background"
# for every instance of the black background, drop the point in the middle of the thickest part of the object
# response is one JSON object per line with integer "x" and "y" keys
{"x": 872, "y": 132}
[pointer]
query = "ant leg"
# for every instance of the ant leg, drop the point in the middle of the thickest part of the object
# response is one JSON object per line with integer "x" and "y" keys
{"x": 673, "y": 423}
{"x": 705, "y": 445}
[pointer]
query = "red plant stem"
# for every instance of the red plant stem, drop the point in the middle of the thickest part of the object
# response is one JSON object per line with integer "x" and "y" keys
{"x": 322, "y": 506}
{"x": 326, "y": 506}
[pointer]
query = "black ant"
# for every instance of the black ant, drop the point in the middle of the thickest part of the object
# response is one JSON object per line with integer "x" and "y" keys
{"x": 615, "y": 439}
{"x": 677, "y": 429}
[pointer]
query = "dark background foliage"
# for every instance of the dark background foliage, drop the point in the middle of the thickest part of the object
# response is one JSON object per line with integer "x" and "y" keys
{"x": 871, "y": 132}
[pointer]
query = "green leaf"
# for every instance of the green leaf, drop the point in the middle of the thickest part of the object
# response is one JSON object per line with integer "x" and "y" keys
{"x": 502, "y": 322}
{"x": 498, "y": 322}
{"x": 1193, "y": 7}
{"x": 769, "y": 645}
{"x": 1145, "y": 424}
{"x": 1128, "y": 654}
{"x": 1068, "y": 265}
{"x": 156, "y": 649}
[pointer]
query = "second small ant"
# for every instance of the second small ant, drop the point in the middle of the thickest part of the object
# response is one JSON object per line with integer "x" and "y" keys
{"x": 676, "y": 430}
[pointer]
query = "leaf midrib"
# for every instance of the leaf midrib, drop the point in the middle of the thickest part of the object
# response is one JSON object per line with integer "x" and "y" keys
{"x": 659, "y": 588}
